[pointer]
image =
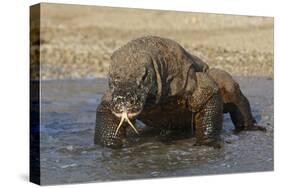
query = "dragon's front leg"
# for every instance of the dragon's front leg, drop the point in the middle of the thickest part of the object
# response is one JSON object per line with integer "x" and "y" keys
{"x": 207, "y": 106}
{"x": 106, "y": 133}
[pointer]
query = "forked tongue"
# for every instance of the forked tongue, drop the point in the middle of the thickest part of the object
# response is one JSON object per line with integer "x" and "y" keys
{"x": 125, "y": 117}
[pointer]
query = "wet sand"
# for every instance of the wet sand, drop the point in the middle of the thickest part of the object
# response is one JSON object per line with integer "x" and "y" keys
{"x": 68, "y": 154}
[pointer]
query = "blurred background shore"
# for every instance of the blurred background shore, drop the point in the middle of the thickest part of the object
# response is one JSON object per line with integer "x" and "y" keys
{"x": 77, "y": 41}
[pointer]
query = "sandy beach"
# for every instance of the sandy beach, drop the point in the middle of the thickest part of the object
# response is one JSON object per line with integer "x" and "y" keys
{"x": 77, "y": 41}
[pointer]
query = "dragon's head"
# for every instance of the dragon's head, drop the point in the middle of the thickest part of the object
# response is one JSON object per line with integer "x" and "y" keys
{"x": 129, "y": 90}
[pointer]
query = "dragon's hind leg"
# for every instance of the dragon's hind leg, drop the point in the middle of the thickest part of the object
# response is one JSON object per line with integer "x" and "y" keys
{"x": 234, "y": 101}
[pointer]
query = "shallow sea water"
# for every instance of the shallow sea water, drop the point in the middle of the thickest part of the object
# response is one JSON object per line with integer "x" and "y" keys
{"x": 68, "y": 154}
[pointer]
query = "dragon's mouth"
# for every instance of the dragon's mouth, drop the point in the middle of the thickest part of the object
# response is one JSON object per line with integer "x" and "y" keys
{"x": 124, "y": 117}
{"x": 129, "y": 114}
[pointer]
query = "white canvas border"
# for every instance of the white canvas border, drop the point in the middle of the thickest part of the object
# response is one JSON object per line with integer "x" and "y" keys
{"x": 14, "y": 91}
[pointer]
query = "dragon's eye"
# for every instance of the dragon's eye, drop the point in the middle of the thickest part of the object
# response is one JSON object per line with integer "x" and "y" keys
{"x": 142, "y": 78}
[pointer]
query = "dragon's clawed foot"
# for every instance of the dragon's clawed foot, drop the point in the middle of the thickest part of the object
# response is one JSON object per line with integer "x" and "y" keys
{"x": 253, "y": 127}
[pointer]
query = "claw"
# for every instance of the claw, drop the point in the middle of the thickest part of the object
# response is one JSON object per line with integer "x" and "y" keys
{"x": 255, "y": 127}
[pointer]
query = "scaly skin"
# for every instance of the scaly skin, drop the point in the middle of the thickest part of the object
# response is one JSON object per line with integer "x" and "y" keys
{"x": 234, "y": 101}
{"x": 156, "y": 81}
{"x": 206, "y": 102}
{"x": 106, "y": 124}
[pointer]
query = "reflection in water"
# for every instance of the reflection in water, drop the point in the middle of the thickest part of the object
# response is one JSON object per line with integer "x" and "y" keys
{"x": 68, "y": 153}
